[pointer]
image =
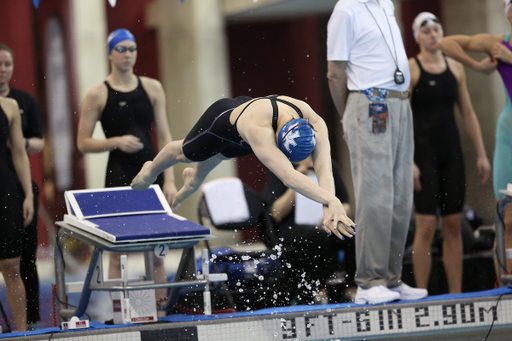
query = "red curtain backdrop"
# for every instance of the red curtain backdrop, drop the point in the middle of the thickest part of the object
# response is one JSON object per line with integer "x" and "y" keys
{"x": 279, "y": 57}
{"x": 17, "y": 32}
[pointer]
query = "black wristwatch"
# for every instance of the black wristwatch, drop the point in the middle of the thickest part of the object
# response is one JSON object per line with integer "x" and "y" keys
{"x": 27, "y": 144}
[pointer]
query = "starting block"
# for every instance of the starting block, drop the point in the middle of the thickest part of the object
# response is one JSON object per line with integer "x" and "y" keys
{"x": 122, "y": 215}
{"x": 120, "y": 219}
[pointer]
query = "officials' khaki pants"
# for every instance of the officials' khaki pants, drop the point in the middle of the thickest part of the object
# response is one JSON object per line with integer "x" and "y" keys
{"x": 382, "y": 173}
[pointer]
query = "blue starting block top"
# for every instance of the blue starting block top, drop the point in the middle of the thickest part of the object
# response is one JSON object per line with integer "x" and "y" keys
{"x": 123, "y": 215}
{"x": 117, "y": 202}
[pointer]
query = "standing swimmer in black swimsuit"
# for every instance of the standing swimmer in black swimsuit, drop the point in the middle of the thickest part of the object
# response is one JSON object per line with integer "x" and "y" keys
{"x": 34, "y": 143}
{"x": 128, "y": 108}
{"x": 278, "y": 129}
{"x": 437, "y": 84}
{"x": 15, "y": 214}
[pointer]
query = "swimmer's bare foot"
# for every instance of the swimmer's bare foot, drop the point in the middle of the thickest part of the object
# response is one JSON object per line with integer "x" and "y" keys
{"x": 143, "y": 180}
{"x": 189, "y": 187}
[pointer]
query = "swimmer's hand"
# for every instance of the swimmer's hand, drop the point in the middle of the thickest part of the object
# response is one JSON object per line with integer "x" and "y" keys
{"x": 501, "y": 52}
{"x": 28, "y": 210}
{"x": 336, "y": 221}
{"x": 144, "y": 179}
{"x": 129, "y": 144}
{"x": 484, "y": 169}
{"x": 487, "y": 65}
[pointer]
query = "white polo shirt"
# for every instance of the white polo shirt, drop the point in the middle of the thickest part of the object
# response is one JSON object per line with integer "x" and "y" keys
{"x": 354, "y": 36}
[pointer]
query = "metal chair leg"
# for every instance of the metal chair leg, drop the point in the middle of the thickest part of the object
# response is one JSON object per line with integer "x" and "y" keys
{"x": 229, "y": 297}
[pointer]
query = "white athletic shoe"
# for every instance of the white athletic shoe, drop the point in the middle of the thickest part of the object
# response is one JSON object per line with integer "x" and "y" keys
{"x": 408, "y": 293}
{"x": 375, "y": 295}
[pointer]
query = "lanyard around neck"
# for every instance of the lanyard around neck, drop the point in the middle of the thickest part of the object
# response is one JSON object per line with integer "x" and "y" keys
{"x": 395, "y": 57}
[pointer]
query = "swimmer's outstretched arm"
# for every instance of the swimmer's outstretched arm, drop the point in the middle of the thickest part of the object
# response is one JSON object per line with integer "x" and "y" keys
{"x": 322, "y": 163}
{"x": 322, "y": 155}
{"x": 262, "y": 141}
{"x": 456, "y": 46}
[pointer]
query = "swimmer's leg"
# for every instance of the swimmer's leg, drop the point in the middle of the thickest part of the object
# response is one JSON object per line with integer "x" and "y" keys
{"x": 170, "y": 155}
{"x": 194, "y": 177}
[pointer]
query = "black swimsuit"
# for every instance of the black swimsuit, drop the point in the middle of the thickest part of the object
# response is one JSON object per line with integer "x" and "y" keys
{"x": 438, "y": 153}
{"x": 128, "y": 113}
{"x": 11, "y": 205}
{"x": 214, "y": 134}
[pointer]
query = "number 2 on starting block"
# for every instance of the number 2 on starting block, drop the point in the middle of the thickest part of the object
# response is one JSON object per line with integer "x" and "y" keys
{"x": 161, "y": 250}
{"x": 97, "y": 275}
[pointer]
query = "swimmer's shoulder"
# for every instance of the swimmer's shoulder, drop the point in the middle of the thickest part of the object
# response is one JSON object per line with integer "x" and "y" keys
{"x": 97, "y": 92}
{"x": 456, "y": 68}
{"x": 10, "y": 107}
{"x": 304, "y": 107}
{"x": 151, "y": 84}
{"x": 96, "y": 98}
{"x": 153, "y": 88}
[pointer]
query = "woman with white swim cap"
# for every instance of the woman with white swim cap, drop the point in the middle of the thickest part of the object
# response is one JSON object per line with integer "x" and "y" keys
{"x": 438, "y": 84}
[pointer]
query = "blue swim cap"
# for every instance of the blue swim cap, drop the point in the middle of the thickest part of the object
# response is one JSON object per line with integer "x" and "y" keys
{"x": 118, "y": 36}
{"x": 296, "y": 139}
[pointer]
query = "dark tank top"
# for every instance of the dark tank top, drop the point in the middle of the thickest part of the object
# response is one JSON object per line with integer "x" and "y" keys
{"x": 11, "y": 213}
{"x": 432, "y": 103}
{"x": 4, "y": 132}
{"x": 6, "y": 172}
{"x": 127, "y": 113}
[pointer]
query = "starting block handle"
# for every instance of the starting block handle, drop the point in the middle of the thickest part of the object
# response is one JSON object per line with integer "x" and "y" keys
{"x": 124, "y": 270}
{"x": 124, "y": 280}
{"x": 206, "y": 263}
{"x": 206, "y": 273}
{"x": 207, "y": 302}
